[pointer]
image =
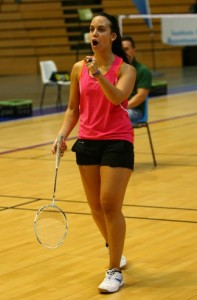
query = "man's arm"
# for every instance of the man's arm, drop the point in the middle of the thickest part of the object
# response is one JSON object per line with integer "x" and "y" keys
{"x": 138, "y": 98}
{"x": 143, "y": 85}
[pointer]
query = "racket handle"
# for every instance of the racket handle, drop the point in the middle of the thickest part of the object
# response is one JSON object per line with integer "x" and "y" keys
{"x": 58, "y": 152}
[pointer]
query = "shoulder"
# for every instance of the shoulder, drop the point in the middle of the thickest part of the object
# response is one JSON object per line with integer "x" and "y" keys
{"x": 143, "y": 74}
{"x": 143, "y": 69}
{"x": 76, "y": 69}
{"x": 144, "y": 77}
{"x": 125, "y": 68}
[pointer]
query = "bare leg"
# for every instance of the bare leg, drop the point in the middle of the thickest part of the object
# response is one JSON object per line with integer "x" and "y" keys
{"x": 90, "y": 176}
{"x": 113, "y": 186}
{"x": 105, "y": 189}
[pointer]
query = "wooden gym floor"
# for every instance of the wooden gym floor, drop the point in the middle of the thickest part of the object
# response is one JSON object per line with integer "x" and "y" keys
{"x": 160, "y": 208}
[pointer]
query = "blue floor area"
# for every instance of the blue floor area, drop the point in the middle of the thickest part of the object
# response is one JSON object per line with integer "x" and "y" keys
{"x": 54, "y": 110}
{"x": 182, "y": 89}
{"x": 48, "y": 110}
{"x": 179, "y": 80}
{"x": 35, "y": 113}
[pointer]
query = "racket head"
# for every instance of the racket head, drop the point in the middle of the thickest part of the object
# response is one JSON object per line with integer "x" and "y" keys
{"x": 50, "y": 226}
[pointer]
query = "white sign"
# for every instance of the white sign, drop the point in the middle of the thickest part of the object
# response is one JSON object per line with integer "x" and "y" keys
{"x": 87, "y": 38}
{"x": 179, "y": 31}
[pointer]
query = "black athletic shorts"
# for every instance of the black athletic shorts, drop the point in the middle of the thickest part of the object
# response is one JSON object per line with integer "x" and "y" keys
{"x": 113, "y": 153}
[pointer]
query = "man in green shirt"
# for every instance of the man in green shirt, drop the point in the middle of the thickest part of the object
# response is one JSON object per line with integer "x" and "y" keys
{"x": 143, "y": 82}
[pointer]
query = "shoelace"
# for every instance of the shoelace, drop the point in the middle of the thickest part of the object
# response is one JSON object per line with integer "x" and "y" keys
{"x": 111, "y": 272}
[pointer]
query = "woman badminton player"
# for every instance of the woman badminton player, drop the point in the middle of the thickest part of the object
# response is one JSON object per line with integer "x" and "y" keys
{"x": 100, "y": 87}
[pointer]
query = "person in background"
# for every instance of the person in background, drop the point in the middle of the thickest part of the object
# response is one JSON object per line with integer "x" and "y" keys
{"x": 143, "y": 81}
{"x": 100, "y": 87}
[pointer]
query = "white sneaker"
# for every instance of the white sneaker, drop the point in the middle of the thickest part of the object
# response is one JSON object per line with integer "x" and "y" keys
{"x": 123, "y": 262}
{"x": 112, "y": 282}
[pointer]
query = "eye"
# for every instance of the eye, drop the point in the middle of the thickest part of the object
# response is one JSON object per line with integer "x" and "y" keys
{"x": 101, "y": 29}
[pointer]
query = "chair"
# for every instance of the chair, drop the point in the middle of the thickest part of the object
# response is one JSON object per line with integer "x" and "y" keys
{"x": 47, "y": 68}
{"x": 143, "y": 122}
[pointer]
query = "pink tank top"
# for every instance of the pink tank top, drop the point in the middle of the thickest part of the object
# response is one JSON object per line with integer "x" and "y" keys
{"x": 99, "y": 118}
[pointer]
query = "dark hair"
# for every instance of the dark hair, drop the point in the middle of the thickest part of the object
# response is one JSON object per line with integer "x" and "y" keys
{"x": 117, "y": 48}
{"x": 129, "y": 39}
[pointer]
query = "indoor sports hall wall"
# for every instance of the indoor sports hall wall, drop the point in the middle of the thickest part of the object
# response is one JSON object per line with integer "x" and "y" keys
{"x": 35, "y": 30}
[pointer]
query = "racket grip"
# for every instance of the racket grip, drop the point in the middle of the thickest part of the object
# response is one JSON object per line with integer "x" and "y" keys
{"x": 58, "y": 152}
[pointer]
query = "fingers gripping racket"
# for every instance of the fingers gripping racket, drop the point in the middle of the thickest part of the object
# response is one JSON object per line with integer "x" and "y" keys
{"x": 50, "y": 223}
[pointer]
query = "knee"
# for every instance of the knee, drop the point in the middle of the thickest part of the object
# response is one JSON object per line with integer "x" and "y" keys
{"x": 108, "y": 209}
{"x": 96, "y": 210}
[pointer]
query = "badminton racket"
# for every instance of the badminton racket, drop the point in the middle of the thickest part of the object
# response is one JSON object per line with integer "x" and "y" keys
{"x": 50, "y": 223}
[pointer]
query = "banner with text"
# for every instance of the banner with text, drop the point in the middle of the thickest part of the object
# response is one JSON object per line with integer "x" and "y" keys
{"x": 179, "y": 31}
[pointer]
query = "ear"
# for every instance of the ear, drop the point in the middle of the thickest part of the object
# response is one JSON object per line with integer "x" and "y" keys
{"x": 113, "y": 36}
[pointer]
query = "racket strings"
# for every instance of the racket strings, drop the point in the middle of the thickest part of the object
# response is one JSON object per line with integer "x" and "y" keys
{"x": 51, "y": 226}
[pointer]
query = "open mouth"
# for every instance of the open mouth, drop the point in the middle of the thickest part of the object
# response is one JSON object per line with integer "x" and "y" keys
{"x": 94, "y": 42}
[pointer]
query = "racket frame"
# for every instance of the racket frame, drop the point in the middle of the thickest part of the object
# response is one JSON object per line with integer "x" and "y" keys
{"x": 35, "y": 225}
{"x": 57, "y": 162}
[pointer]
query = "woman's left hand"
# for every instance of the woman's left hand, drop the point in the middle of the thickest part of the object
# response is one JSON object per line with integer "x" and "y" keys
{"x": 91, "y": 64}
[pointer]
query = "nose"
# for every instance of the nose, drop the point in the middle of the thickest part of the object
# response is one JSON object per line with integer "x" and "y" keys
{"x": 94, "y": 32}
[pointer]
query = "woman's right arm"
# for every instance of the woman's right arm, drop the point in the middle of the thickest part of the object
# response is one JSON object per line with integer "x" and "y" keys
{"x": 71, "y": 116}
